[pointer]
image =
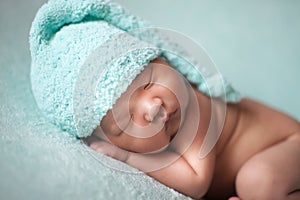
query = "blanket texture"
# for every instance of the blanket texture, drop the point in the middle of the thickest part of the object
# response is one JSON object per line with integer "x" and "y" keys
{"x": 37, "y": 159}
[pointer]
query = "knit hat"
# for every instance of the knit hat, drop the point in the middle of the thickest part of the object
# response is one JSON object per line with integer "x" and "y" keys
{"x": 86, "y": 53}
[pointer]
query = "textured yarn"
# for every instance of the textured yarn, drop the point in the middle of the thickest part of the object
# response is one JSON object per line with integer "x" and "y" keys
{"x": 86, "y": 53}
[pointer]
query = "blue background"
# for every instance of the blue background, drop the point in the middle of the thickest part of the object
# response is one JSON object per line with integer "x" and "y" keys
{"x": 255, "y": 44}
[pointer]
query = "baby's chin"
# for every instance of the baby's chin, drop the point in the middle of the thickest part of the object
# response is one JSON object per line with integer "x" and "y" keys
{"x": 150, "y": 150}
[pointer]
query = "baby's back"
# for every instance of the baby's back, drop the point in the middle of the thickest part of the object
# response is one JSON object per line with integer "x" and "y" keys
{"x": 258, "y": 128}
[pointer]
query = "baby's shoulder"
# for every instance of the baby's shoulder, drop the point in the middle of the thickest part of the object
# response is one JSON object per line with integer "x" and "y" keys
{"x": 269, "y": 118}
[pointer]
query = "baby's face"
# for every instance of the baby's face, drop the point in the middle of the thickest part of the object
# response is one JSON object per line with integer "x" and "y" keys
{"x": 148, "y": 115}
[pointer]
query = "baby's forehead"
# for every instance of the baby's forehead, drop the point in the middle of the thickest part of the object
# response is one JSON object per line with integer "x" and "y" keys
{"x": 156, "y": 68}
{"x": 144, "y": 78}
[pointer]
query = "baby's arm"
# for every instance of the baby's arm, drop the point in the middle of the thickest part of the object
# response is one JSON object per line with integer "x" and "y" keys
{"x": 187, "y": 174}
{"x": 189, "y": 177}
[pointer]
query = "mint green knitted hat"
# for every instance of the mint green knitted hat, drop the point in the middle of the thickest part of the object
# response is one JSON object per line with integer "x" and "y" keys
{"x": 86, "y": 53}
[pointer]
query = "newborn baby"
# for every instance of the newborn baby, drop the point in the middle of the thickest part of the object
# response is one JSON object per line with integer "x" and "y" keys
{"x": 256, "y": 156}
{"x": 88, "y": 77}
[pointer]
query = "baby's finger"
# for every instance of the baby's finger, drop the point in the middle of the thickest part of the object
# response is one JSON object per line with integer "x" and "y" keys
{"x": 110, "y": 150}
{"x": 234, "y": 198}
{"x": 101, "y": 146}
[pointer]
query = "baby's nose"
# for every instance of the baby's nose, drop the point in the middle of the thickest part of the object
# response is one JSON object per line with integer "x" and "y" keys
{"x": 155, "y": 109}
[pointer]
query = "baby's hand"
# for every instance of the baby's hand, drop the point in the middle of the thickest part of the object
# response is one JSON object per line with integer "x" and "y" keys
{"x": 234, "y": 198}
{"x": 110, "y": 150}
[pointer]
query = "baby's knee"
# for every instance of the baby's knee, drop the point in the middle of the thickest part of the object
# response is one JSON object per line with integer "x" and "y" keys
{"x": 257, "y": 180}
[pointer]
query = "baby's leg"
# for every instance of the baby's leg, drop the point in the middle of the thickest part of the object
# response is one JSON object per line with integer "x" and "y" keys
{"x": 273, "y": 173}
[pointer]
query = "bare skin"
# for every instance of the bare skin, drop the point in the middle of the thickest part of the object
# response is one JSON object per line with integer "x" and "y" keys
{"x": 256, "y": 157}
